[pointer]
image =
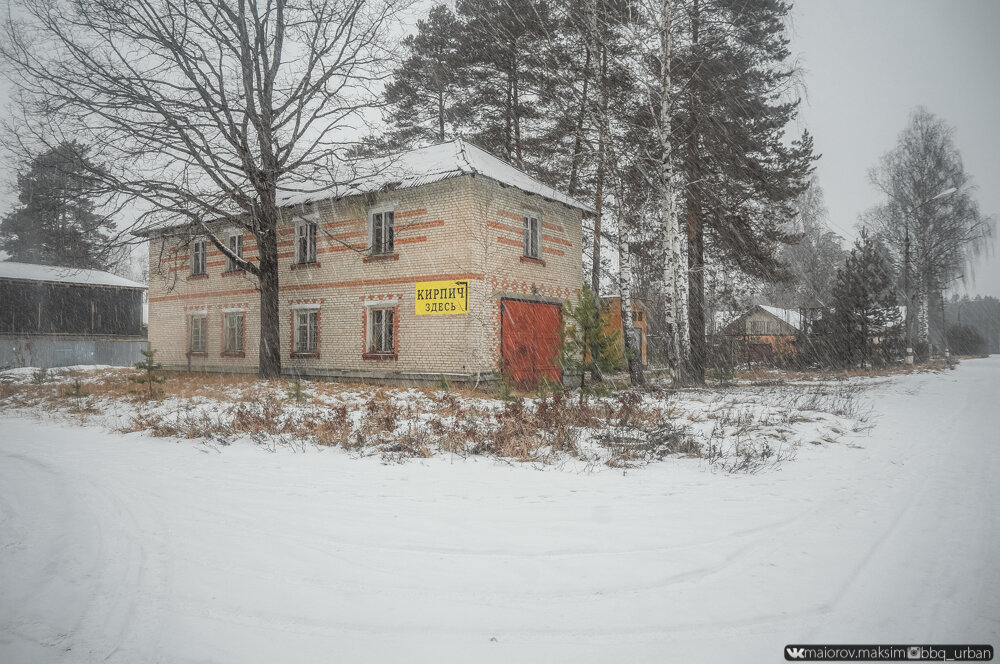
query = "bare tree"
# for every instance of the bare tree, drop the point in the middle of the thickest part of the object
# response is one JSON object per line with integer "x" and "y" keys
{"x": 203, "y": 111}
{"x": 930, "y": 218}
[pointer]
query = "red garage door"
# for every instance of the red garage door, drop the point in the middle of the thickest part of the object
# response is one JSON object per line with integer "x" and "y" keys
{"x": 529, "y": 341}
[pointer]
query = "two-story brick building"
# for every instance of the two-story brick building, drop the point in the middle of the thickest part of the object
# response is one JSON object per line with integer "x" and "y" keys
{"x": 445, "y": 260}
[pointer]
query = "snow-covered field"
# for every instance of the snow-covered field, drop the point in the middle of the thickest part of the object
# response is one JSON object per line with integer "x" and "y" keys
{"x": 129, "y": 548}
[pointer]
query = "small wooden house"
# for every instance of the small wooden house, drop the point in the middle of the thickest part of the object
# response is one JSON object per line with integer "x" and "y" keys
{"x": 764, "y": 333}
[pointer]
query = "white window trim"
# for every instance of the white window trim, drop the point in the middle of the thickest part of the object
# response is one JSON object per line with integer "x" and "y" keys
{"x": 229, "y": 235}
{"x": 381, "y": 304}
{"x": 202, "y": 315}
{"x": 225, "y": 330}
{"x": 297, "y": 309}
{"x": 532, "y": 214}
{"x": 381, "y": 208}
{"x": 370, "y": 313}
{"x": 302, "y": 220}
{"x": 204, "y": 257}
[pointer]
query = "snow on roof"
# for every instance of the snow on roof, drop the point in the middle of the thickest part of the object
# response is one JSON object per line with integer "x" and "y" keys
{"x": 790, "y": 316}
{"x": 432, "y": 163}
{"x": 68, "y": 275}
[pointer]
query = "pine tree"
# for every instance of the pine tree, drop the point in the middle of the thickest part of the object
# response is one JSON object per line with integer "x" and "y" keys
{"x": 740, "y": 175}
{"x": 424, "y": 91}
{"x": 589, "y": 343}
{"x": 57, "y": 222}
{"x": 149, "y": 376}
{"x": 865, "y": 308}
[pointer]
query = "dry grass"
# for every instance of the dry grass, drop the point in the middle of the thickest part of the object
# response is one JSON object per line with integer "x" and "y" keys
{"x": 746, "y": 431}
{"x": 768, "y": 375}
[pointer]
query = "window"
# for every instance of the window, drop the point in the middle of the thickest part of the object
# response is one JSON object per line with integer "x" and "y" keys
{"x": 197, "y": 328}
{"x": 530, "y": 236}
{"x": 198, "y": 257}
{"x": 305, "y": 242}
{"x": 306, "y": 331}
{"x": 232, "y": 331}
{"x": 758, "y": 327}
{"x": 235, "y": 244}
{"x": 380, "y": 332}
{"x": 383, "y": 232}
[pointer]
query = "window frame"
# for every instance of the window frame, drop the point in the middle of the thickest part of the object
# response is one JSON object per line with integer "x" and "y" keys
{"x": 378, "y": 244}
{"x": 384, "y": 326}
{"x": 310, "y": 239}
{"x": 231, "y": 265}
{"x": 532, "y": 238}
{"x": 203, "y": 318}
{"x": 199, "y": 259}
{"x": 226, "y": 328}
{"x": 310, "y": 350}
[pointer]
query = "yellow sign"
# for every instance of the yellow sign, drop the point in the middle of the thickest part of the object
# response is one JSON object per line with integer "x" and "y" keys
{"x": 442, "y": 297}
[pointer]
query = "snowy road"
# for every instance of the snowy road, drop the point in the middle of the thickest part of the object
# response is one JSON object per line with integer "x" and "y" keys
{"x": 124, "y": 548}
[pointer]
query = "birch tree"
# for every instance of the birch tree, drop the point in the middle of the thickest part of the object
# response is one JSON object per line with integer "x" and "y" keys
{"x": 206, "y": 110}
{"x": 930, "y": 218}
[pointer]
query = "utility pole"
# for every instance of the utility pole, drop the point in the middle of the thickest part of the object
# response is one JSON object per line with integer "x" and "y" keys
{"x": 909, "y": 297}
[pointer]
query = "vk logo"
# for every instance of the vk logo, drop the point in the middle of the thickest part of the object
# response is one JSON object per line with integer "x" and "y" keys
{"x": 795, "y": 653}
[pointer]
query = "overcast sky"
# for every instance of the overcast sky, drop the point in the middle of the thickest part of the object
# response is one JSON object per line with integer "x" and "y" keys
{"x": 868, "y": 63}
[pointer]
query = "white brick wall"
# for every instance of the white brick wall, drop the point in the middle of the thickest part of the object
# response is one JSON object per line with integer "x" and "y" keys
{"x": 462, "y": 228}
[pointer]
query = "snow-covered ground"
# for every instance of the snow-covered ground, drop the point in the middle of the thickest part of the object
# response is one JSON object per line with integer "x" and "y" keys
{"x": 128, "y": 548}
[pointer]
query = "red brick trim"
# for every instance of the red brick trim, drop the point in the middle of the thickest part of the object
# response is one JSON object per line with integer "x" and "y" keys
{"x": 557, "y": 240}
{"x": 381, "y": 356}
{"x": 536, "y": 261}
{"x": 418, "y": 225}
{"x": 411, "y": 240}
{"x": 505, "y": 227}
{"x": 300, "y": 266}
{"x": 554, "y": 252}
{"x": 331, "y": 284}
{"x": 192, "y": 277}
{"x": 344, "y": 222}
{"x": 375, "y": 258}
{"x": 229, "y": 273}
{"x": 511, "y": 215}
{"x": 509, "y": 242}
{"x": 410, "y": 213}
{"x": 553, "y": 227}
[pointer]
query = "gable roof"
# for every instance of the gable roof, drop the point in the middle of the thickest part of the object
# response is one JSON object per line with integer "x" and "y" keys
{"x": 431, "y": 163}
{"x": 790, "y": 316}
{"x": 66, "y": 275}
{"x": 726, "y": 319}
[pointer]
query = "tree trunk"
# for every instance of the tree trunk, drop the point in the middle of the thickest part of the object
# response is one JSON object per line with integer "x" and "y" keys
{"x": 574, "y": 172}
{"x": 695, "y": 231}
{"x": 633, "y": 354}
{"x": 668, "y": 212}
{"x": 440, "y": 115}
{"x": 508, "y": 123}
{"x": 269, "y": 364}
{"x": 602, "y": 136}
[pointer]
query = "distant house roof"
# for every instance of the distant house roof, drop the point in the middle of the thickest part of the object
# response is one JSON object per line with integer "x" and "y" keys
{"x": 66, "y": 275}
{"x": 431, "y": 163}
{"x": 726, "y": 319}
{"x": 790, "y": 316}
